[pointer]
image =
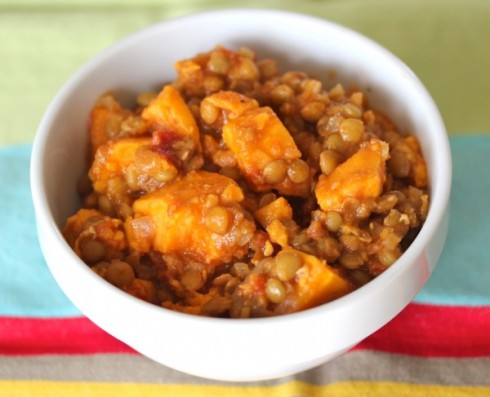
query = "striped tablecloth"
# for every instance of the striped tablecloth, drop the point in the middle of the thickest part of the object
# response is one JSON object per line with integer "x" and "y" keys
{"x": 438, "y": 346}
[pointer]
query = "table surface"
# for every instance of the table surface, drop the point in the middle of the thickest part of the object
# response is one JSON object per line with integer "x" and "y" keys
{"x": 438, "y": 346}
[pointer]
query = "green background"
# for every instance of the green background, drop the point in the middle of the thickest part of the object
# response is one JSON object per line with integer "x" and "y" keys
{"x": 445, "y": 42}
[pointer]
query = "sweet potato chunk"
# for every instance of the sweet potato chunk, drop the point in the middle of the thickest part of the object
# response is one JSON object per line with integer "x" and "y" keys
{"x": 316, "y": 282}
{"x": 133, "y": 164}
{"x": 109, "y": 120}
{"x": 279, "y": 209}
{"x": 361, "y": 176}
{"x": 95, "y": 237}
{"x": 231, "y": 103}
{"x": 273, "y": 217}
{"x": 169, "y": 112}
{"x": 198, "y": 216}
{"x": 266, "y": 153}
{"x": 418, "y": 167}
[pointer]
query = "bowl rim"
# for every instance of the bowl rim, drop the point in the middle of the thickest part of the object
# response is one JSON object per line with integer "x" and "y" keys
{"x": 436, "y": 212}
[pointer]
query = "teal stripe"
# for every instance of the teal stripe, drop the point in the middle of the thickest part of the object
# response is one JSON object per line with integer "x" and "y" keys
{"x": 461, "y": 277}
{"x": 463, "y": 273}
{"x": 26, "y": 285}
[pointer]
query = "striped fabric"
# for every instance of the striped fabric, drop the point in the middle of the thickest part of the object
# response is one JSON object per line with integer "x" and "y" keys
{"x": 439, "y": 345}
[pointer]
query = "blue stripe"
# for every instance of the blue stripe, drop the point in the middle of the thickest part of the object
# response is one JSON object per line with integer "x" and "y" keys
{"x": 461, "y": 277}
{"x": 26, "y": 285}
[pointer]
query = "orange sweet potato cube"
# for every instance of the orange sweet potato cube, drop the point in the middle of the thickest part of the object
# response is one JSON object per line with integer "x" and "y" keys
{"x": 99, "y": 118}
{"x": 89, "y": 225}
{"x": 418, "y": 167}
{"x": 279, "y": 209}
{"x": 132, "y": 160}
{"x": 232, "y": 103}
{"x": 257, "y": 137}
{"x": 198, "y": 216}
{"x": 168, "y": 111}
{"x": 271, "y": 217}
{"x": 316, "y": 282}
{"x": 112, "y": 159}
{"x": 278, "y": 233}
{"x": 109, "y": 120}
{"x": 361, "y": 176}
{"x": 76, "y": 224}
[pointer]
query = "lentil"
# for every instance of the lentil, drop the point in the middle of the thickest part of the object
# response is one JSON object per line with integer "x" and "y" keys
{"x": 92, "y": 250}
{"x": 298, "y": 171}
{"x": 218, "y": 220}
{"x": 287, "y": 264}
{"x": 351, "y": 130}
{"x": 281, "y": 93}
{"x": 333, "y": 221}
{"x": 240, "y": 269}
{"x": 329, "y": 159}
{"x": 313, "y": 111}
{"x": 192, "y": 280}
{"x": 275, "y": 290}
{"x": 120, "y": 273}
{"x": 275, "y": 171}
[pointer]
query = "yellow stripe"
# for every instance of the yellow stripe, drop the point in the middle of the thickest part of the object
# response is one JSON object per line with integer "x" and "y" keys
{"x": 341, "y": 389}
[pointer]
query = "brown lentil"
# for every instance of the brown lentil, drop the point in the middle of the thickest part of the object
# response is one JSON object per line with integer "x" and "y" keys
{"x": 208, "y": 112}
{"x": 329, "y": 159}
{"x": 287, "y": 264}
{"x": 240, "y": 269}
{"x": 120, "y": 273}
{"x": 282, "y": 93}
{"x": 387, "y": 257}
{"x": 350, "y": 260}
{"x": 329, "y": 248}
{"x": 335, "y": 142}
{"x": 351, "y": 110}
{"x": 275, "y": 290}
{"x": 313, "y": 111}
{"x": 92, "y": 250}
{"x": 267, "y": 68}
{"x": 351, "y": 130}
{"x": 275, "y": 171}
{"x": 298, "y": 171}
{"x": 218, "y": 63}
{"x": 218, "y": 220}
{"x": 399, "y": 164}
{"x": 213, "y": 84}
{"x": 192, "y": 280}
{"x": 333, "y": 221}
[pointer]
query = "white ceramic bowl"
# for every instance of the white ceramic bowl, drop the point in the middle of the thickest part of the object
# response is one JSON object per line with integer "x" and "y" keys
{"x": 225, "y": 349}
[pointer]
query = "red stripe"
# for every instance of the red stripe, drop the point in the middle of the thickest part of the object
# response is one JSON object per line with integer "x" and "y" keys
{"x": 423, "y": 330}
{"x": 77, "y": 335}
{"x": 435, "y": 331}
